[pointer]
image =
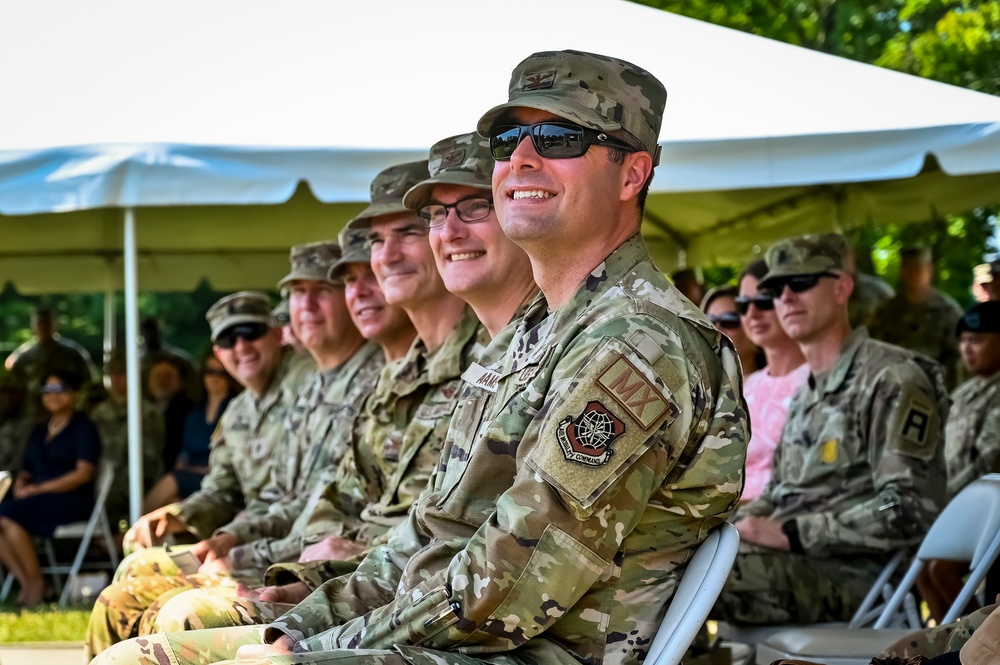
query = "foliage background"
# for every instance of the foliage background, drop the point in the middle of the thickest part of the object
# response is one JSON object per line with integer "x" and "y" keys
{"x": 953, "y": 41}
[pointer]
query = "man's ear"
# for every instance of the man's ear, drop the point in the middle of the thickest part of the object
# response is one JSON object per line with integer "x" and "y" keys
{"x": 845, "y": 287}
{"x": 637, "y": 169}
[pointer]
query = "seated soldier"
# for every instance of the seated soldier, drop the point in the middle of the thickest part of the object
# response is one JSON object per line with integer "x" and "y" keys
{"x": 971, "y": 437}
{"x": 856, "y": 474}
{"x": 595, "y": 445}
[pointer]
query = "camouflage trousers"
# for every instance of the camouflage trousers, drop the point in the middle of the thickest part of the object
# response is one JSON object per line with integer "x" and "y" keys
{"x": 213, "y": 607}
{"x": 933, "y": 642}
{"x": 771, "y": 587}
{"x": 219, "y": 646}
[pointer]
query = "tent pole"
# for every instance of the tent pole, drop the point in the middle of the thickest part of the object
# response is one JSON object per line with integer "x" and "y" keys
{"x": 109, "y": 316}
{"x": 132, "y": 368}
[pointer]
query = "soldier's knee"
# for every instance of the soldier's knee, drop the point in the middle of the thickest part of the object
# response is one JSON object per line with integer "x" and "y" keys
{"x": 137, "y": 650}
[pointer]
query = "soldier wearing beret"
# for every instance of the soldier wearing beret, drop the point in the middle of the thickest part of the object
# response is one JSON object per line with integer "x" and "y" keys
{"x": 598, "y": 440}
{"x": 856, "y": 475}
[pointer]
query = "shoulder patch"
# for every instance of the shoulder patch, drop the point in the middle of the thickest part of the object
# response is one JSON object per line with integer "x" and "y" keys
{"x": 916, "y": 424}
{"x": 633, "y": 391}
{"x": 587, "y": 438}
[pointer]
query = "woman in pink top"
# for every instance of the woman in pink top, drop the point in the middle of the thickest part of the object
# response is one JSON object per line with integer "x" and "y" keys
{"x": 768, "y": 391}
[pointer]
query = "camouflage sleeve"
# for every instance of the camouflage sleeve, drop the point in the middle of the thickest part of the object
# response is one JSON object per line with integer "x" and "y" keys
{"x": 601, "y": 441}
{"x": 986, "y": 457}
{"x": 219, "y": 499}
{"x": 904, "y": 432}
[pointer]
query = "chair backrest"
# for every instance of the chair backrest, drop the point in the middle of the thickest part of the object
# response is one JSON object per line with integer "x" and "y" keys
{"x": 697, "y": 592}
{"x": 5, "y": 481}
{"x": 968, "y": 529}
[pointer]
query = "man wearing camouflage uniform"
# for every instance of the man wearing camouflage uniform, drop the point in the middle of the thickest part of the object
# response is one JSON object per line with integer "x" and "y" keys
{"x": 408, "y": 414}
{"x": 243, "y": 453}
{"x": 920, "y": 318}
{"x": 857, "y": 471}
{"x": 596, "y": 443}
{"x": 111, "y": 418}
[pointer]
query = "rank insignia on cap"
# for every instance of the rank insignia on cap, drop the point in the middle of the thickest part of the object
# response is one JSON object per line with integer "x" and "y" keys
{"x": 452, "y": 159}
{"x": 972, "y": 321}
{"x": 587, "y": 438}
{"x": 539, "y": 80}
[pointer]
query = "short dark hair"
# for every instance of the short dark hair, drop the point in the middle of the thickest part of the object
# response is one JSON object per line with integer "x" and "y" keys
{"x": 617, "y": 156}
{"x": 69, "y": 378}
{"x": 756, "y": 269}
{"x": 727, "y": 291}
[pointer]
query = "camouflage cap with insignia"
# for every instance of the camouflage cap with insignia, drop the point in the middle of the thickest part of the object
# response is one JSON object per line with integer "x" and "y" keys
{"x": 810, "y": 254}
{"x": 237, "y": 308}
{"x": 356, "y": 248}
{"x": 594, "y": 90}
{"x": 387, "y": 192}
{"x": 460, "y": 160}
{"x": 311, "y": 261}
{"x": 281, "y": 313}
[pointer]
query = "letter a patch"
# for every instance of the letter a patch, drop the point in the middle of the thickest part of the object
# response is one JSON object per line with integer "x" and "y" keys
{"x": 636, "y": 393}
{"x": 587, "y": 438}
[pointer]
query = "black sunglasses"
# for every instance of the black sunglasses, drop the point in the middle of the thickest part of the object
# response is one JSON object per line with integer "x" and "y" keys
{"x": 471, "y": 210}
{"x": 796, "y": 283}
{"x": 726, "y": 320}
{"x": 764, "y": 303}
{"x": 54, "y": 389}
{"x": 554, "y": 140}
{"x": 249, "y": 332}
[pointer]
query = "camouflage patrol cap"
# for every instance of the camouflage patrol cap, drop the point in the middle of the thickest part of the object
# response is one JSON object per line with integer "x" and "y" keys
{"x": 311, "y": 261}
{"x": 593, "y": 90}
{"x": 357, "y": 249}
{"x": 387, "y": 192}
{"x": 983, "y": 317}
{"x": 811, "y": 254}
{"x": 237, "y": 308}
{"x": 460, "y": 160}
{"x": 281, "y": 313}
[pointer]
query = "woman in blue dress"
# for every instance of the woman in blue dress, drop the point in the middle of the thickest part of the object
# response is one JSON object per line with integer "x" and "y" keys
{"x": 192, "y": 462}
{"x": 55, "y": 484}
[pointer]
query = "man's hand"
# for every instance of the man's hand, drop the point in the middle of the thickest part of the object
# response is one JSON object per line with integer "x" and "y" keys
{"x": 217, "y": 547}
{"x": 331, "y": 548}
{"x": 215, "y": 567}
{"x": 152, "y": 528}
{"x": 248, "y": 592}
{"x": 292, "y": 594}
{"x": 764, "y": 532}
{"x": 281, "y": 647}
{"x": 26, "y": 490}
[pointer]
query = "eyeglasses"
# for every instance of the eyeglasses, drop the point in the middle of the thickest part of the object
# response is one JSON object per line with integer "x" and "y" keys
{"x": 764, "y": 303}
{"x": 726, "y": 320}
{"x": 796, "y": 283}
{"x": 249, "y": 332}
{"x": 469, "y": 210}
{"x": 554, "y": 140}
{"x": 55, "y": 389}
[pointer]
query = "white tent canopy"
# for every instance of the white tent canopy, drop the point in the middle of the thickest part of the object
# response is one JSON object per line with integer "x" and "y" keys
{"x": 164, "y": 142}
{"x": 115, "y": 104}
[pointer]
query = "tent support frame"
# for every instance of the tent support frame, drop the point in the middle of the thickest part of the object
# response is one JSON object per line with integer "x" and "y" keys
{"x": 133, "y": 367}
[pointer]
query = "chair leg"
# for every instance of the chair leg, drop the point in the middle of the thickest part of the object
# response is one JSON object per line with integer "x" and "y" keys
{"x": 109, "y": 540}
{"x": 50, "y": 554}
{"x": 8, "y": 582}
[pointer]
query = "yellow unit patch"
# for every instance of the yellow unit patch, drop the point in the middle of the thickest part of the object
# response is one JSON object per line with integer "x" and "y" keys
{"x": 633, "y": 391}
{"x": 829, "y": 454}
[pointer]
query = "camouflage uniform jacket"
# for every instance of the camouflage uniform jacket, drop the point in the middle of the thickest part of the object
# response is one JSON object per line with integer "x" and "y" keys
{"x": 408, "y": 417}
{"x": 584, "y": 465}
{"x": 927, "y": 328}
{"x": 14, "y": 433}
{"x": 972, "y": 435}
{"x": 111, "y": 419}
{"x": 318, "y": 432}
{"x": 868, "y": 295}
{"x": 859, "y": 463}
{"x": 241, "y": 458}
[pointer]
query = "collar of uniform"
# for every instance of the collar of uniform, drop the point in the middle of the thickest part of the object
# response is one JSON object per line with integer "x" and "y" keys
{"x": 444, "y": 363}
{"x": 273, "y": 392}
{"x": 838, "y": 373}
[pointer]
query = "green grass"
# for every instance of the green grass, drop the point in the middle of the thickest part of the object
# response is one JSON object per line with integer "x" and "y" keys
{"x": 45, "y": 623}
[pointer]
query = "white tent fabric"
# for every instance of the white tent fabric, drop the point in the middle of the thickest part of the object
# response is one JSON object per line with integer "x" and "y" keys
{"x": 177, "y": 108}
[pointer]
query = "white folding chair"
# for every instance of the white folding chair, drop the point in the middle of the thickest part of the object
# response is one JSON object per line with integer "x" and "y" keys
{"x": 84, "y": 531}
{"x": 968, "y": 529}
{"x": 697, "y": 592}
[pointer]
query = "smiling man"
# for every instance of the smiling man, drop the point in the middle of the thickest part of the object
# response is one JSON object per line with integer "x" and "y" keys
{"x": 857, "y": 473}
{"x": 597, "y": 441}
